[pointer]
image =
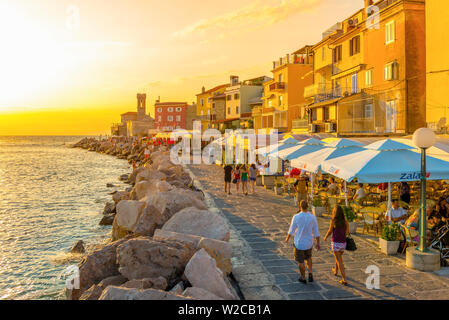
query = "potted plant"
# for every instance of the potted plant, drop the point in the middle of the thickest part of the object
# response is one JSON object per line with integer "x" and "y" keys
{"x": 350, "y": 217}
{"x": 279, "y": 188}
{"x": 389, "y": 242}
{"x": 317, "y": 207}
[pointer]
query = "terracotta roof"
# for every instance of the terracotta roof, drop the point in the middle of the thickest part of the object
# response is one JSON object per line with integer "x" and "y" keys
{"x": 214, "y": 89}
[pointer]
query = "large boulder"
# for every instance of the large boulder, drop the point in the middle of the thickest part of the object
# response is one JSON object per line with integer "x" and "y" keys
{"x": 119, "y": 196}
{"x": 202, "y": 272}
{"x": 109, "y": 208}
{"x": 146, "y": 258}
{"x": 200, "y": 294}
{"x": 119, "y": 293}
{"x": 199, "y": 222}
{"x": 128, "y": 213}
{"x": 133, "y": 175}
{"x": 78, "y": 247}
{"x": 147, "y": 283}
{"x": 95, "y": 267}
{"x": 221, "y": 251}
{"x": 153, "y": 186}
{"x": 149, "y": 174}
{"x": 94, "y": 292}
{"x": 162, "y": 206}
{"x": 107, "y": 220}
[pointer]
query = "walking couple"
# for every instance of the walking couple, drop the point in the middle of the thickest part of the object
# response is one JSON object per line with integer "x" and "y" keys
{"x": 304, "y": 228}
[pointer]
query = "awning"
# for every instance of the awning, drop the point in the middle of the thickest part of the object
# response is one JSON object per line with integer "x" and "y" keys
{"x": 324, "y": 103}
{"x": 347, "y": 72}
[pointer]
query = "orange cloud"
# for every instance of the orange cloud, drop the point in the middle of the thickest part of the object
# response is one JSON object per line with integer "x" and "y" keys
{"x": 256, "y": 15}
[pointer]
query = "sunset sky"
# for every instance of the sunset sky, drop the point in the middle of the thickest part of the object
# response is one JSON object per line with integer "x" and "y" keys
{"x": 61, "y": 74}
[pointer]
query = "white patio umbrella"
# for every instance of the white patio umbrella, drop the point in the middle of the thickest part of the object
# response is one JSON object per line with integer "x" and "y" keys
{"x": 385, "y": 161}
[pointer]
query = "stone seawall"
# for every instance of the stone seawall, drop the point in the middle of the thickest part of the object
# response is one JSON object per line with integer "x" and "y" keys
{"x": 165, "y": 244}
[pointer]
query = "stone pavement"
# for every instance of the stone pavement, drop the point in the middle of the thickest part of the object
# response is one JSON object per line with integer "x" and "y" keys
{"x": 264, "y": 266}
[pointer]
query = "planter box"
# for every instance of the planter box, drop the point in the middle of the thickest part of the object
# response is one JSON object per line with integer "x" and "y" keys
{"x": 353, "y": 227}
{"x": 388, "y": 247}
{"x": 319, "y": 211}
{"x": 268, "y": 181}
{"x": 278, "y": 190}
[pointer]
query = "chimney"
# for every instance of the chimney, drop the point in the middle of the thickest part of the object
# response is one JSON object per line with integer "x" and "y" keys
{"x": 234, "y": 80}
{"x": 203, "y": 89}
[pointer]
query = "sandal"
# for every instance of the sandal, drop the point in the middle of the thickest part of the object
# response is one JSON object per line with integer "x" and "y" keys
{"x": 343, "y": 282}
{"x": 335, "y": 272}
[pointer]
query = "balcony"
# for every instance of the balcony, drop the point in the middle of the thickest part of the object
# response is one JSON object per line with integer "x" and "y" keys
{"x": 277, "y": 86}
{"x": 291, "y": 59}
{"x": 321, "y": 93}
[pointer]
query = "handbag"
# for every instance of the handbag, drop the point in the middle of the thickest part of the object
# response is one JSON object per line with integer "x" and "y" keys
{"x": 350, "y": 244}
{"x": 234, "y": 181}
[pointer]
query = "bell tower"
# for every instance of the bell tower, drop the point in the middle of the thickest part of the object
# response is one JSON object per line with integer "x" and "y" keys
{"x": 141, "y": 105}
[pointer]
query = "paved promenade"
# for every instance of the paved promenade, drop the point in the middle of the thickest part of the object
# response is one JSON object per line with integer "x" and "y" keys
{"x": 264, "y": 265}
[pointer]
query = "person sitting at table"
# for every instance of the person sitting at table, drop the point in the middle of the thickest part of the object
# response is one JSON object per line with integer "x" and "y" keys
{"x": 443, "y": 208}
{"x": 322, "y": 183}
{"x": 382, "y": 187}
{"x": 404, "y": 191}
{"x": 332, "y": 188}
{"x": 412, "y": 223}
{"x": 360, "y": 193}
{"x": 397, "y": 213}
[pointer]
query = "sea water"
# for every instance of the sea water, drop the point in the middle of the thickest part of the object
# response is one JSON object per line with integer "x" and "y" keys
{"x": 50, "y": 197}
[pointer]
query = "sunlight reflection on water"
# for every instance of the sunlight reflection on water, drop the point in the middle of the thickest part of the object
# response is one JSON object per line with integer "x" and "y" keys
{"x": 51, "y": 196}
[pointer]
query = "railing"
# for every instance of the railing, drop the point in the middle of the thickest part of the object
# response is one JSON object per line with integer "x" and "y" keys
{"x": 290, "y": 59}
{"x": 321, "y": 92}
{"x": 277, "y": 86}
{"x": 300, "y": 124}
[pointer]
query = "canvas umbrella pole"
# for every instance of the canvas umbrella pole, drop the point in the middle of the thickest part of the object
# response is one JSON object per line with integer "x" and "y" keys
{"x": 389, "y": 203}
{"x": 346, "y": 195}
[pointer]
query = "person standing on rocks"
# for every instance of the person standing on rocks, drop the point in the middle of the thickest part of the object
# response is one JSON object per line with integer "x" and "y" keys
{"x": 304, "y": 228}
{"x": 228, "y": 178}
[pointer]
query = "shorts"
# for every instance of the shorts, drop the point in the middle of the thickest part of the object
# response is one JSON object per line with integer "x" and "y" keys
{"x": 228, "y": 179}
{"x": 338, "y": 246}
{"x": 301, "y": 255}
{"x": 252, "y": 179}
{"x": 244, "y": 179}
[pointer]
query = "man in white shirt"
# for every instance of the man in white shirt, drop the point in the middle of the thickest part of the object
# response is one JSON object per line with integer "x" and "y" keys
{"x": 360, "y": 193}
{"x": 304, "y": 228}
{"x": 397, "y": 213}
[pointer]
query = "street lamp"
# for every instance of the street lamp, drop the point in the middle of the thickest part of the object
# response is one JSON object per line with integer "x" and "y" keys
{"x": 423, "y": 138}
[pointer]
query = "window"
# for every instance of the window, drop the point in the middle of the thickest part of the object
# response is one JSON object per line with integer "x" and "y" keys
{"x": 178, "y": 109}
{"x": 202, "y": 112}
{"x": 229, "y": 97}
{"x": 229, "y": 110}
{"x": 236, "y": 96}
{"x": 323, "y": 53}
{"x": 169, "y": 118}
{"x": 178, "y": 118}
{"x": 209, "y": 99}
{"x": 280, "y": 77}
{"x": 355, "y": 83}
{"x": 391, "y": 71}
{"x": 208, "y": 112}
{"x": 369, "y": 78}
{"x": 354, "y": 46}
{"x": 368, "y": 111}
{"x": 213, "y": 105}
{"x": 336, "y": 54}
{"x": 202, "y": 102}
{"x": 270, "y": 103}
{"x": 237, "y": 109}
{"x": 170, "y": 109}
{"x": 159, "y": 109}
{"x": 159, "y": 118}
{"x": 390, "y": 32}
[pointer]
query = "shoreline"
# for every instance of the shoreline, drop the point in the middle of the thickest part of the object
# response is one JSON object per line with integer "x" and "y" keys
{"x": 165, "y": 243}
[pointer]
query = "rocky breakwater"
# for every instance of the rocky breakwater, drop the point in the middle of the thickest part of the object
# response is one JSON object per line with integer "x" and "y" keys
{"x": 124, "y": 149}
{"x": 165, "y": 244}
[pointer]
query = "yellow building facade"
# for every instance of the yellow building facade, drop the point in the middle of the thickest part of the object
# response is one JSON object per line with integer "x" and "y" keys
{"x": 437, "y": 45}
{"x": 283, "y": 100}
{"x": 205, "y": 103}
